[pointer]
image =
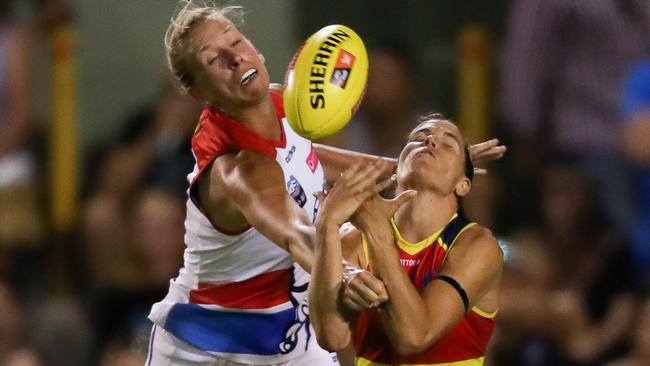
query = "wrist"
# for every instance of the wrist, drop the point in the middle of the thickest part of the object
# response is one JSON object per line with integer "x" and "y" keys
{"x": 379, "y": 235}
{"x": 325, "y": 221}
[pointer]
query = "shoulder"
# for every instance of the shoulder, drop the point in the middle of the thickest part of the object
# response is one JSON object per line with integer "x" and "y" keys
{"x": 477, "y": 244}
{"x": 246, "y": 165}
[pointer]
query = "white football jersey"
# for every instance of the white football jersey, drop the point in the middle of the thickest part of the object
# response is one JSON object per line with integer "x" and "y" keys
{"x": 239, "y": 296}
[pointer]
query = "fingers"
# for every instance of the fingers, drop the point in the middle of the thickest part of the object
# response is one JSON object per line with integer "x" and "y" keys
{"x": 361, "y": 178}
{"x": 366, "y": 290}
{"x": 356, "y": 300}
{"x": 352, "y": 305}
{"x": 320, "y": 196}
{"x": 386, "y": 183}
{"x": 398, "y": 201}
{"x": 495, "y": 152}
{"x": 373, "y": 171}
{"x": 486, "y": 151}
{"x": 483, "y": 146}
{"x": 374, "y": 284}
{"x": 480, "y": 171}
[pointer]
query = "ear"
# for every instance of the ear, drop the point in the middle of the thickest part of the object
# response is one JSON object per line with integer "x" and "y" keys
{"x": 463, "y": 187}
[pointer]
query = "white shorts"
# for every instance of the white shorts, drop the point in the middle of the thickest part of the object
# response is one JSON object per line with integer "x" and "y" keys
{"x": 167, "y": 350}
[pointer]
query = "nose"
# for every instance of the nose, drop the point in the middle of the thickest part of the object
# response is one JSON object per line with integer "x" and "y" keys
{"x": 430, "y": 140}
{"x": 234, "y": 59}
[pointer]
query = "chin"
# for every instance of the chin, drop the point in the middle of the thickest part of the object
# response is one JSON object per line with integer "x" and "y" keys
{"x": 260, "y": 86}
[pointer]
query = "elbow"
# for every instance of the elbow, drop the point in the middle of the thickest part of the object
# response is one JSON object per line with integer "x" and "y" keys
{"x": 332, "y": 341}
{"x": 413, "y": 344}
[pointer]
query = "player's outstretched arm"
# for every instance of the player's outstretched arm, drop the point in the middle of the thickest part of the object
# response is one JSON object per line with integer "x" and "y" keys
{"x": 247, "y": 188}
{"x": 336, "y": 160}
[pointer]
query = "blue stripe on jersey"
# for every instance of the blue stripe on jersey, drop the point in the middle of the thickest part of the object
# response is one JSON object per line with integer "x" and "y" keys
{"x": 453, "y": 228}
{"x": 230, "y": 332}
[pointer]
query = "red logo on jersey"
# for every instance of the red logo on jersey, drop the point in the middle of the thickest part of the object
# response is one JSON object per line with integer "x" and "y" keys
{"x": 312, "y": 160}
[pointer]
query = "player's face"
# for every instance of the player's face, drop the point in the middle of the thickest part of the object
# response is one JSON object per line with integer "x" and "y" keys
{"x": 434, "y": 156}
{"x": 228, "y": 70}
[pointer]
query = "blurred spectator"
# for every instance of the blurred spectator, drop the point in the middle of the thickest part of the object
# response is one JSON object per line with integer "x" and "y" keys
{"x": 133, "y": 219}
{"x": 388, "y": 108}
{"x": 561, "y": 80}
{"x": 570, "y": 288}
{"x": 20, "y": 219}
{"x": 153, "y": 151}
{"x": 640, "y": 354}
{"x": 156, "y": 241}
{"x": 14, "y": 348}
{"x": 23, "y": 358}
{"x": 62, "y": 332}
{"x": 636, "y": 115}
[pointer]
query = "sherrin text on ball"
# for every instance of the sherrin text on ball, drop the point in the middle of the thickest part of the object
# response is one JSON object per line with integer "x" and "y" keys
{"x": 325, "y": 82}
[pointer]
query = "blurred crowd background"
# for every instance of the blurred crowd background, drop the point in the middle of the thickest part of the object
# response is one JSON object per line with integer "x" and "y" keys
{"x": 94, "y": 150}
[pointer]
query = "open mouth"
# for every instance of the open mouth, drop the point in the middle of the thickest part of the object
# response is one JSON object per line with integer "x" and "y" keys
{"x": 248, "y": 76}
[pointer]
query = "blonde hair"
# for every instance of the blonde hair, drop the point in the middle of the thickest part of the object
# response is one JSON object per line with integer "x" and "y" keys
{"x": 187, "y": 17}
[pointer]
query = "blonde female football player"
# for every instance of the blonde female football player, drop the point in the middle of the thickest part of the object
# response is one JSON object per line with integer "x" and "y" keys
{"x": 240, "y": 297}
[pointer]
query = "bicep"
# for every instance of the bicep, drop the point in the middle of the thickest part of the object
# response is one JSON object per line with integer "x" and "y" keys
{"x": 255, "y": 185}
{"x": 475, "y": 263}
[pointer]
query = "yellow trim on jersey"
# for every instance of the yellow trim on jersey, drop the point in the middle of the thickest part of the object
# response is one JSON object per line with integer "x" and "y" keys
{"x": 485, "y": 314}
{"x": 456, "y": 238}
{"x": 414, "y": 248}
{"x": 461, "y": 231}
{"x": 364, "y": 244}
{"x": 360, "y": 361}
{"x": 442, "y": 244}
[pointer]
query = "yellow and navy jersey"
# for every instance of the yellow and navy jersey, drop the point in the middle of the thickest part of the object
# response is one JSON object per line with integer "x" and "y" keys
{"x": 464, "y": 345}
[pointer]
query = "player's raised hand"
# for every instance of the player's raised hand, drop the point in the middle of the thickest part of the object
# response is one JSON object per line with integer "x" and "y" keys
{"x": 486, "y": 151}
{"x": 354, "y": 186}
{"x": 377, "y": 211}
{"x": 362, "y": 290}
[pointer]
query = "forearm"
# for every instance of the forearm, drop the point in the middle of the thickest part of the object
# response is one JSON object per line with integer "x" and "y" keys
{"x": 302, "y": 246}
{"x": 406, "y": 317}
{"x": 336, "y": 160}
{"x": 332, "y": 329}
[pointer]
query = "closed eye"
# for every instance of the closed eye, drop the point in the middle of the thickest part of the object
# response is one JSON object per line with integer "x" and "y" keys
{"x": 418, "y": 137}
{"x": 451, "y": 140}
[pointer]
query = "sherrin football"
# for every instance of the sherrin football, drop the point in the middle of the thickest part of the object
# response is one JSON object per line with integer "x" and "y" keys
{"x": 325, "y": 82}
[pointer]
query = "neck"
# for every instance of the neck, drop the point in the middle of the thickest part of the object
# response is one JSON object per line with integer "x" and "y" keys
{"x": 425, "y": 214}
{"x": 260, "y": 118}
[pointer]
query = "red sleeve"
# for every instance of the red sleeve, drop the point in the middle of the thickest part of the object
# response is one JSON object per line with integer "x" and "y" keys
{"x": 217, "y": 134}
